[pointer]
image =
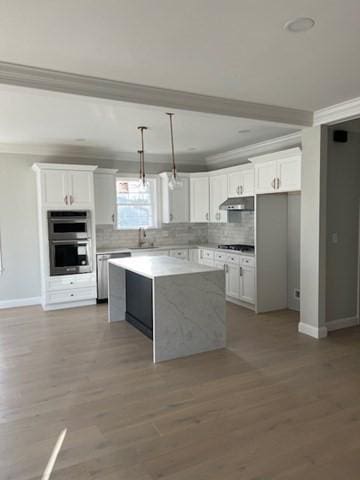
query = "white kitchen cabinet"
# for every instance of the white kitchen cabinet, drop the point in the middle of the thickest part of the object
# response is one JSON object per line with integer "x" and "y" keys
{"x": 218, "y": 195}
{"x": 199, "y": 199}
{"x": 289, "y": 174}
{"x": 181, "y": 253}
{"x": 194, "y": 255}
{"x": 66, "y": 187}
{"x": 232, "y": 280}
{"x": 105, "y": 196}
{"x": 278, "y": 172}
{"x": 265, "y": 177}
{"x": 241, "y": 183}
{"x": 247, "y": 283}
{"x": 175, "y": 204}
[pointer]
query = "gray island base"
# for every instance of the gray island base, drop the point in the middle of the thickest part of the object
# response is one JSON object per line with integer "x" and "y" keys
{"x": 188, "y": 303}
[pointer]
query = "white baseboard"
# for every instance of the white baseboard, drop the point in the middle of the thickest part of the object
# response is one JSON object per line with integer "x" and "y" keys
{"x": 20, "y": 302}
{"x": 342, "y": 323}
{"x": 61, "y": 306}
{"x": 240, "y": 303}
{"x": 314, "y": 332}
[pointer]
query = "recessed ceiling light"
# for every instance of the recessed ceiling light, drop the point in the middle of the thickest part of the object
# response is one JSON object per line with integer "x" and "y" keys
{"x": 244, "y": 131}
{"x": 80, "y": 139}
{"x": 191, "y": 149}
{"x": 300, "y": 24}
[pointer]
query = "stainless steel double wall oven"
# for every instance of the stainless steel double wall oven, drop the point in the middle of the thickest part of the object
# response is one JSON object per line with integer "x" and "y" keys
{"x": 69, "y": 242}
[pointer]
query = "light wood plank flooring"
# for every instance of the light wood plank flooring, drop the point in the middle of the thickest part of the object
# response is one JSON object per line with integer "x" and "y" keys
{"x": 275, "y": 405}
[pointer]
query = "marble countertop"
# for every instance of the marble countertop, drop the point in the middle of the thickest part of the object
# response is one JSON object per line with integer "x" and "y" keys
{"x": 160, "y": 266}
{"x": 169, "y": 247}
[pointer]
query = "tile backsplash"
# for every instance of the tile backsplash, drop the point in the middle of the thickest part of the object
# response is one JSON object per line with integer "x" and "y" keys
{"x": 242, "y": 232}
{"x": 181, "y": 234}
{"x": 172, "y": 234}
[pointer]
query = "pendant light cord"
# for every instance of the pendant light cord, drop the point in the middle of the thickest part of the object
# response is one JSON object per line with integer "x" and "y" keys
{"x": 141, "y": 153}
{"x": 172, "y": 143}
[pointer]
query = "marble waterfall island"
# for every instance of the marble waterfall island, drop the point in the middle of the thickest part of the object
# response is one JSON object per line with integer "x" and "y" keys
{"x": 179, "y": 304}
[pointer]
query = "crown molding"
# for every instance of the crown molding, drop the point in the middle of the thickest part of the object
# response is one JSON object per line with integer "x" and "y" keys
{"x": 53, "y": 80}
{"x": 94, "y": 153}
{"x": 242, "y": 153}
{"x": 339, "y": 112}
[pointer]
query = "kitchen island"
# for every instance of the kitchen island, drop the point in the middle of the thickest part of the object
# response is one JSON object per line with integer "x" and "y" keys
{"x": 179, "y": 304}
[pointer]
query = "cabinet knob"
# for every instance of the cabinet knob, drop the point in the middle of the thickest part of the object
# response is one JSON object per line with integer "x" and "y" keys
{"x": 171, "y": 216}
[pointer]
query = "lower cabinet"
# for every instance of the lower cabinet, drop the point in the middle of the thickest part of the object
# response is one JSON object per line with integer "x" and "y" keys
{"x": 247, "y": 284}
{"x": 232, "y": 280}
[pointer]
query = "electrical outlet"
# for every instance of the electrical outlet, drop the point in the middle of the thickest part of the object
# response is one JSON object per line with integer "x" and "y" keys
{"x": 297, "y": 293}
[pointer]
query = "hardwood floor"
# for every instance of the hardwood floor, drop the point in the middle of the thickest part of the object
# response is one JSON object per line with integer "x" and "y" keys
{"x": 275, "y": 405}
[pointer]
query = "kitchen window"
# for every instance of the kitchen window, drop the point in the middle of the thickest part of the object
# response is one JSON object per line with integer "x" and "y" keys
{"x": 136, "y": 206}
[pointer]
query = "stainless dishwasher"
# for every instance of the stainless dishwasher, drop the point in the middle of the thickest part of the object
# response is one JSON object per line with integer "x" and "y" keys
{"x": 102, "y": 268}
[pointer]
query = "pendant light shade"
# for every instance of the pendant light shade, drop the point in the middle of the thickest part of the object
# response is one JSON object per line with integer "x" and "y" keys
{"x": 174, "y": 182}
{"x": 142, "y": 176}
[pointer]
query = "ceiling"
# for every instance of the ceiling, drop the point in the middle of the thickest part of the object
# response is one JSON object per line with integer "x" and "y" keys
{"x": 234, "y": 48}
{"x": 35, "y": 117}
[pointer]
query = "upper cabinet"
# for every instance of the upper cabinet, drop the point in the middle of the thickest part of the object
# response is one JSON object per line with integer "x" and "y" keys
{"x": 218, "y": 194}
{"x": 105, "y": 193}
{"x": 175, "y": 204}
{"x": 199, "y": 199}
{"x": 241, "y": 183}
{"x": 65, "y": 187}
{"x": 278, "y": 172}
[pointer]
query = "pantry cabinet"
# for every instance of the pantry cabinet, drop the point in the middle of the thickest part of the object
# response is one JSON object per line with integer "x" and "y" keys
{"x": 218, "y": 195}
{"x": 278, "y": 172}
{"x": 199, "y": 199}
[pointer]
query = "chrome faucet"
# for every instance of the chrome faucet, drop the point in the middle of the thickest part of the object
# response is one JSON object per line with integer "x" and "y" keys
{"x": 141, "y": 237}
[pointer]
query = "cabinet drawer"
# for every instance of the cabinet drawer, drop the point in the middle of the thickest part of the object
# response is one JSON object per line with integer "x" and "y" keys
{"x": 71, "y": 281}
{"x": 250, "y": 261}
{"x": 221, "y": 256}
{"x": 233, "y": 258}
{"x": 182, "y": 253}
{"x": 72, "y": 295}
{"x": 208, "y": 254}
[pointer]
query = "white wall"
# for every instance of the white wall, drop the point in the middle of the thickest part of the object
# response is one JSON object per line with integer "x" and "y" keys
{"x": 293, "y": 271}
{"x": 18, "y": 218}
{"x": 343, "y": 187}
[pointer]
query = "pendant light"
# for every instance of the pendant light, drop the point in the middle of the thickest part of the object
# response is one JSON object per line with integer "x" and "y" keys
{"x": 174, "y": 182}
{"x": 142, "y": 177}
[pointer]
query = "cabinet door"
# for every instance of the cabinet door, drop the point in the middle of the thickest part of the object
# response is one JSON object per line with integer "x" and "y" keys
{"x": 265, "y": 177}
{"x": 247, "y": 284}
{"x": 182, "y": 253}
{"x": 235, "y": 181}
{"x": 233, "y": 280}
{"x": 179, "y": 203}
{"x": 81, "y": 189}
{"x": 55, "y": 188}
{"x": 218, "y": 195}
{"x": 199, "y": 199}
{"x": 194, "y": 255}
{"x": 104, "y": 185}
{"x": 247, "y": 183}
{"x": 289, "y": 174}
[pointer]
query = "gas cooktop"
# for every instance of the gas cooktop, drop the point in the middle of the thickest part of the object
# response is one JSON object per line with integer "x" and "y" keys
{"x": 238, "y": 247}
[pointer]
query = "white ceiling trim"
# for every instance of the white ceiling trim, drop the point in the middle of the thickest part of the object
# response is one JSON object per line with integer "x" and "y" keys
{"x": 51, "y": 80}
{"x": 279, "y": 143}
{"x": 93, "y": 153}
{"x": 339, "y": 112}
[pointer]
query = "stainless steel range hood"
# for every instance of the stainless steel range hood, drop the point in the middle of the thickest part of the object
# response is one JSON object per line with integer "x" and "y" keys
{"x": 238, "y": 203}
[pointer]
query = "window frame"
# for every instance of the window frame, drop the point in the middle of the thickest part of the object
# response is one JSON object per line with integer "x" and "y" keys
{"x": 155, "y": 196}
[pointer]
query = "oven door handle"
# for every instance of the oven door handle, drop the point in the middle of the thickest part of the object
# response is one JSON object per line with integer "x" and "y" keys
{"x": 71, "y": 241}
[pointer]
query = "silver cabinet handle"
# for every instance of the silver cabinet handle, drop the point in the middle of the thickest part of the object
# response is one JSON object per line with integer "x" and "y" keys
{"x": 241, "y": 190}
{"x": 113, "y": 218}
{"x": 238, "y": 190}
{"x": 71, "y": 199}
{"x": 171, "y": 216}
{"x": 278, "y": 183}
{"x": 273, "y": 183}
{"x": 241, "y": 272}
{"x": 207, "y": 216}
{"x": 66, "y": 199}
